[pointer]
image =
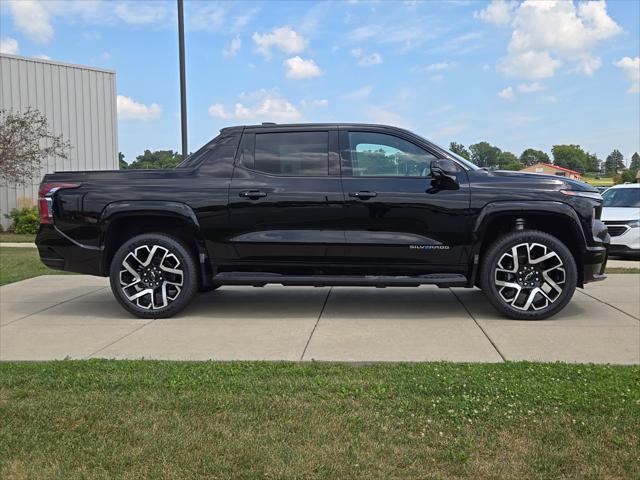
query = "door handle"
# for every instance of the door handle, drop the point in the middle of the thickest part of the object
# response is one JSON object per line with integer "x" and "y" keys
{"x": 363, "y": 195}
{"x": 252, "y": 194}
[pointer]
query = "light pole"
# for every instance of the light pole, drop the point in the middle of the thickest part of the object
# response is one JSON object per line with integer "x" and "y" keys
{"x": 183, "y": 81}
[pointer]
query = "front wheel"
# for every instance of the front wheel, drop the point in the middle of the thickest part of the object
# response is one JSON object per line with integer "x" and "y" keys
{"x": 153, "y": 276}
{"x": 528, "y": 275}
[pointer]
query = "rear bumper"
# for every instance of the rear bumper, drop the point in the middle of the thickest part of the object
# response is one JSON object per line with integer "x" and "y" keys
{"x": 61, "y": 252}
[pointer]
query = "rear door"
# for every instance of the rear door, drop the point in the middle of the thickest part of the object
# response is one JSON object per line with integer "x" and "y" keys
{"x": 285, "y": 200}
{"x": 394, "y": 213}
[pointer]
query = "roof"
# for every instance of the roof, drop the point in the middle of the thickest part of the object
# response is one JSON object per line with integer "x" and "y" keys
{"x": 551, "y": 165}
{"x": 626, "y": 185}
{"x": 59, "y": 64}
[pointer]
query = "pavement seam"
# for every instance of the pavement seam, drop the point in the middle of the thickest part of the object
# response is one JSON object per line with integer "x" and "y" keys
{"x": 52, "y": 306}
{"x": 121, "y": 338}
{"x": 479, "y": 326}
{"x": 612, "y": 306}
{"x": 326, "y": 299}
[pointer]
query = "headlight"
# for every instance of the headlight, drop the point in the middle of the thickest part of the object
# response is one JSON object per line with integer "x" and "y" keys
{"x": 634, "y": 223}
{"x": 579, "y": 193}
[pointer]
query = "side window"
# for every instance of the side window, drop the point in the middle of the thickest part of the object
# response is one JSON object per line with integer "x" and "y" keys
{"x": 382, "y": 155}
{"x": 294, "y": 154}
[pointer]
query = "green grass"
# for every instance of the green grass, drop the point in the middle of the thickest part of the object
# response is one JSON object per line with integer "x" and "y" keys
{"x": 623, "y": 270}
{"x": 6, "y": 237}
{"x": 121, "y": 419}
{"x": 21, "y": 263}
{"x": 601, "y": 181}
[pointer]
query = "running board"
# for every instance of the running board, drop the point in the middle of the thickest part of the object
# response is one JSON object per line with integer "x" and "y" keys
{"x": 442, "y": 280}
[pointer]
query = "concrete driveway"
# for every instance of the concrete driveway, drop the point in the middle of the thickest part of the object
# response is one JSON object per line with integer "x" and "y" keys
{"x": 56, "y": 317}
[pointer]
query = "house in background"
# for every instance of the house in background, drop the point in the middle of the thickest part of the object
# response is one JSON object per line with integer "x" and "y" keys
{"x": 79, "y": 103}
{"x": 549, "y": 169}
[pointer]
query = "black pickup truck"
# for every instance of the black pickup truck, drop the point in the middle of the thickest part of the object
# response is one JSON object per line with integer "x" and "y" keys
{"x": 319, "y": 205}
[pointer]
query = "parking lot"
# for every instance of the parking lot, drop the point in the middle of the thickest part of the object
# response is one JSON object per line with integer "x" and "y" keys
{"x": 57, "y": 317}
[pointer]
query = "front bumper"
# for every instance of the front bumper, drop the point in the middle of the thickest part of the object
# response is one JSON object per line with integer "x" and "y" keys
{"x": 594, "y": 259}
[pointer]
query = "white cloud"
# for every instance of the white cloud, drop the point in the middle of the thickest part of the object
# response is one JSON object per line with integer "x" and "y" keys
{"x": 550, "y": 98}
{"x": 267, "y": 106}
{"x": 498, "y": 12}
{"x": 547, "y": 34}
{"x": 141, "y": 12}
{"x": 436, "y": 67}
{"x": 32, "y": 19}
{"x": 42, "y": 56}
{"x": 631, "y": 66}
{"x": 437, "y": 78}
{"x": 218, "y": 110}
{"x": 359, "y": 94}
{"x": 205, "y": 15}
{"x": 387, "y": 117}
{"x": 530, "y": 64}
{"x": 128, "y": 108}
{"x": 298, "y": 68}
{"x": 316, "y": 103}
{"x": 507, "y": 94}
{"x": 233, "y": 48}
{"x": 588, "y": 64}
{"x": 365, "y": 59}
{"x": 9, "y": 46}
{"x": 530, "y": 87}
{"x": 283, "y": 38}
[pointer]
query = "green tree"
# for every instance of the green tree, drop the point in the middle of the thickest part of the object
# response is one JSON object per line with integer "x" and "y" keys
{"x": 484, "y": 154}
{"x": 635, "y": 162}
{"x": 570, "y": 156}
{"x": 156, "y": 159}
{"x": 122, "y": 165}
{"x": 459, "y": 149}
{"x": 508, "y": 158}
{"x": 530, "y": 157}
{"x": 614, "y": 162}
{"x": 592, "y": 162}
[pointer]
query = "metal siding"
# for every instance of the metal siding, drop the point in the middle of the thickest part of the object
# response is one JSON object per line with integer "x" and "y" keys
{"x": 79, "y": 103}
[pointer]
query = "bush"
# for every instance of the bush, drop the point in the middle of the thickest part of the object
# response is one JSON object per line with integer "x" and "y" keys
{"x": 625, "y": 176}
{"x": 25, "y": 220}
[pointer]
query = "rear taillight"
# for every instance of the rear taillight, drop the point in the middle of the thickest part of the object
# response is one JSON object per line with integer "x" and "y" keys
{"x": 45, "y": 199}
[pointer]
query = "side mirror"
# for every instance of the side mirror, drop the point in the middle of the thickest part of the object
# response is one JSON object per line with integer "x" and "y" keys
{"x": 444, "y": 170}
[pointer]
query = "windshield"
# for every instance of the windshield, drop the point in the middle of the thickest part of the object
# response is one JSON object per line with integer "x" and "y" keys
{"x": 622, "y": 197}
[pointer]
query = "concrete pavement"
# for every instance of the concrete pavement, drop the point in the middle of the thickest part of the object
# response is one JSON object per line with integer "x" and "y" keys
{"x": 55, "y": 317}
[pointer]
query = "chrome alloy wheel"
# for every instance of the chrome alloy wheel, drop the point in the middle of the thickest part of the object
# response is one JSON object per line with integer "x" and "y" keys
{"x": 530, "y": 276}
{"x": 151, "y": 277}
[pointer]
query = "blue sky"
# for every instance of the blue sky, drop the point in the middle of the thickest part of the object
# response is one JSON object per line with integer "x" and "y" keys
{"x": 517, "y": 74}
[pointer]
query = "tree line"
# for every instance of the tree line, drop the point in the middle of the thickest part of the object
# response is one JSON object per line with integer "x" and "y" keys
{"x": 572, "y": 157}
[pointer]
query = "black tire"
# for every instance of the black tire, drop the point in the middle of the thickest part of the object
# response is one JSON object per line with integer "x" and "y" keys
{"x": 159, "y": 283}
{"x": 519, "y": 298}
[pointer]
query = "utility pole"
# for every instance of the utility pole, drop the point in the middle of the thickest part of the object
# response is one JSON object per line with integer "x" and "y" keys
{"x": 183, "y": 81}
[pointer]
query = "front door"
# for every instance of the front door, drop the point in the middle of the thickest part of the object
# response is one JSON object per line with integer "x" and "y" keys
{"x": 285, "y": 200}
{"x": 395, "y": 214}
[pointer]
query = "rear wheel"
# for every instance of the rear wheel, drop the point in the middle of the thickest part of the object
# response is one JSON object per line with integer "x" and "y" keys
{"x": 153, "y": 276}
{"x": 528, "y": 275}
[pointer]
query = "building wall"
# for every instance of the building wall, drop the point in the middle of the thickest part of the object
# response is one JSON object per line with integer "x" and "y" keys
{"x": 549, "y": 170}
{"x": 79, "y": 103}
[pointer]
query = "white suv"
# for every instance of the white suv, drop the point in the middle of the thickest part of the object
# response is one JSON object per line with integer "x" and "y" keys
{"x": 621, "y": 215}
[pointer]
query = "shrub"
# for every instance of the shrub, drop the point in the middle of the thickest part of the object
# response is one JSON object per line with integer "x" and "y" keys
{"x": 25, "y": 220}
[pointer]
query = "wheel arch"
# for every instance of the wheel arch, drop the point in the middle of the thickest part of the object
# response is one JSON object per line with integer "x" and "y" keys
{"x": 555, "y": 218}
{"x": 121, "y": 221}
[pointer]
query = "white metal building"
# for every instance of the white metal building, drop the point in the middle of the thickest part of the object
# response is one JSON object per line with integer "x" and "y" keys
{"x": 79, "y": 103}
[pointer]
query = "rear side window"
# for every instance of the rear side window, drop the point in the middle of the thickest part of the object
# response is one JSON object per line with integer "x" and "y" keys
{"x": 294, "y": 154}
